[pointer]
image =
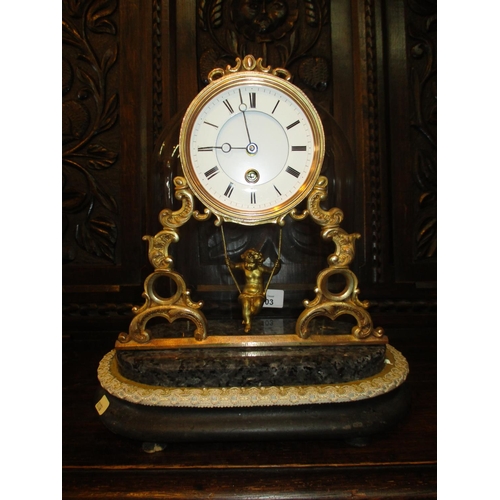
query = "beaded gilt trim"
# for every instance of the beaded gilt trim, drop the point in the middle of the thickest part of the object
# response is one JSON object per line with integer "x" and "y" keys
{"x": 392, "y": 375}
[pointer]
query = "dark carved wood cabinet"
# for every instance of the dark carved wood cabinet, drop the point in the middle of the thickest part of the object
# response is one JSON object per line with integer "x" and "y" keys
{"x": 130, "y": 69}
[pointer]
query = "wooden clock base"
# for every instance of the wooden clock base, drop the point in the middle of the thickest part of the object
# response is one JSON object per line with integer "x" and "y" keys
{"x": 355, "y": 422}
{"x": 156, "y": 415}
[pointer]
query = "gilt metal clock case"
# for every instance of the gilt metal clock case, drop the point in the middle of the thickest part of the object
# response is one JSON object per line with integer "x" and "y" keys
{"x": 251, "y": 147}
{"x": 251, "y": 144}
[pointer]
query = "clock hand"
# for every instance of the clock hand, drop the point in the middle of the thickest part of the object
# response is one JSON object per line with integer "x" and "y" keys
{"x": 226, "y": 148}
{"x": 243, "y": 108}
{"x": 251, "y": 149}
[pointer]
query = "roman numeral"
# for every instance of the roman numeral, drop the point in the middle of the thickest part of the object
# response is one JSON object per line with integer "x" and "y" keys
{"x": 229, "y": 190}
{"x": 299, "y": 148}
{"x": 292, "y": 171}
{"x": 211, "y": 124}
{"x": 228, "y": 106}
{"x": 206, "y": 148}
{"x": 274, "y": 109}
{"x": 252, "y": 197}
{"x": 213, "y": 171}
{"x": 293, "y": 124}
{"x": 277, "y": 190}
{"x": 253, "y": 99}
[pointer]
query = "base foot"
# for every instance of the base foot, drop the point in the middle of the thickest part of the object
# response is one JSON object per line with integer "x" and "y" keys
{"x": 153, "y": 447}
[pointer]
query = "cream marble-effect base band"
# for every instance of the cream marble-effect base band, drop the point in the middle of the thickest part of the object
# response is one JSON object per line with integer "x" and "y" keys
{"x": 392, "y": 376}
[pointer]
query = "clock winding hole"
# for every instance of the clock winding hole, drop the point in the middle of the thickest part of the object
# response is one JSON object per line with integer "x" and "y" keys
{"x": 252, "y": 176}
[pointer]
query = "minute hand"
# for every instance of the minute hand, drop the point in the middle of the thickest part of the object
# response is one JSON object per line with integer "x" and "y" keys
{"x": 246, "y": 126}
{"x": 243, "y": 108}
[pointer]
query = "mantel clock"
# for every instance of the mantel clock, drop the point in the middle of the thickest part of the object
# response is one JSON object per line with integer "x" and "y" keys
{"x": 251, "y": 147}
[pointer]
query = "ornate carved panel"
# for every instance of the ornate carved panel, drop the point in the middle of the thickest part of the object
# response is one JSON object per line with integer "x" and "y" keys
{"x": 104, "y": 154}
{"x": 412, "y": 77}
{"x": 90, "y": 132}
{"x": 130, "y": 67}
{"x": 422, "y": 59}
{"x": 289, "y": 34}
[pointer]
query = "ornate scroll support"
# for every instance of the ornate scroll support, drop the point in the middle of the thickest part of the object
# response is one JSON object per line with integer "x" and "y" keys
{"x": 179, "y": 305}
{"x": 326, "y": 303}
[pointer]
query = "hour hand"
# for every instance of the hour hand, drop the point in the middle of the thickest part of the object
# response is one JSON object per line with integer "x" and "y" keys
{"x": 225, "y": 148}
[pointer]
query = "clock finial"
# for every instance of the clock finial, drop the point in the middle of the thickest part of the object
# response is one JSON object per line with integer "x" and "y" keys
{"x": 248, "y": 63}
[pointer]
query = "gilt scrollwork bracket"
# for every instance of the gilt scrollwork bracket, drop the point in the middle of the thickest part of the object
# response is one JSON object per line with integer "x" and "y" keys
{"x": 179, "y": 305}
{"x": 334, "y": 304}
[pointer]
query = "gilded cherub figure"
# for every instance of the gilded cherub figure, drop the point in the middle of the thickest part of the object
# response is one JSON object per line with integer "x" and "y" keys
{"x": 253, "y": 295}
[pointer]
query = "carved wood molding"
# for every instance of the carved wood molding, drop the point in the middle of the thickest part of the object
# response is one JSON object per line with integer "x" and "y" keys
{"x": 124, "y": 309}
{"x": 98, "y": 309}
{"x": 403, "y": 306}
{"x": 422, "y": 50}
{"x": 375, "y": 183}
{"x": 157, "y": 70}
{"x": 90, "y": 110}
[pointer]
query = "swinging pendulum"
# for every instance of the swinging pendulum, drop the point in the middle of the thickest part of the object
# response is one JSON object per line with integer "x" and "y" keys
{"x": 253, "y": 294}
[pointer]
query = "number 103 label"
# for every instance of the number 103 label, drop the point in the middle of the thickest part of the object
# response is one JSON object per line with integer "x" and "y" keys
{"x": 275, "y": 298}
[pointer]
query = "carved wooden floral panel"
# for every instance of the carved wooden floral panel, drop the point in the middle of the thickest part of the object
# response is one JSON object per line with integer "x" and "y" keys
{"x": 90, "y": 135}
{"x": 368, "y": 66}
{"x": 289, "y": 34}
{"x": 422, "y": 46}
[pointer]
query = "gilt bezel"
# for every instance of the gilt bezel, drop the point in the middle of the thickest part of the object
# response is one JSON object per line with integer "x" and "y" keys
{"x": 228, "y": 213}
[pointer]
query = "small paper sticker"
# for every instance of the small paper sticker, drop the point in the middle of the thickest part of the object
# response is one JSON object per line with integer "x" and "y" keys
{"x": 275, "y": 298}
{"x": 102, "y": 405}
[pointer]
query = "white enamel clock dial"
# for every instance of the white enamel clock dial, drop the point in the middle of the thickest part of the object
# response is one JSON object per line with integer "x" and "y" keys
{"x": 251, "y": 147}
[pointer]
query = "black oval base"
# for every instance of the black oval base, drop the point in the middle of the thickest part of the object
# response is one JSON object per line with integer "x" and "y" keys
{"x": 353, "y": 422}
